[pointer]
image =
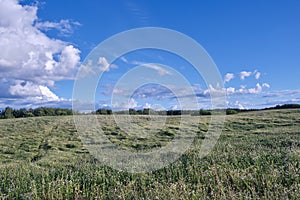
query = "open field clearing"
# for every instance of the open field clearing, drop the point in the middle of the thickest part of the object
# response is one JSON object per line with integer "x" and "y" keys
{"x": 256, "y": 157}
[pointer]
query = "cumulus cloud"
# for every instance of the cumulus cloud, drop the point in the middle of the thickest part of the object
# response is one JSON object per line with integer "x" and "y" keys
{"x": 228, "y": 77}
{"x": 46, "y": 92}
{"x": 30, "y": 61}
{"x": 213, "y": 92}
{"x": 244, "y": 74}
{"x": 230, "y": 90}
{"x": 255, "y": 90}
{"x": 124, "y": 105}
{"x": 29, "y": 89}
{"x": 24, "y": 89}
{"x": 27, "y": 52}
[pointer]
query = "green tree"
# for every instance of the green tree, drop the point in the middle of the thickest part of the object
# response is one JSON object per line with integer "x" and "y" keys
{"x": 8, "y": 113}
{"x": 39, "y": 112}
{"x": 20, "y": 113}
{"x": 101, "y": 111}
{"x": 231, "y": 112}
{"x": 204, "y": 112}
{"x": 132, "y": 111}
{"x": 146, "y": 111}
{"x": 49, "y": 111}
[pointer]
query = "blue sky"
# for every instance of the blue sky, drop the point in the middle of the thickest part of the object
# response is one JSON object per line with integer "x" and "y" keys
{"x": 255, "y": 45}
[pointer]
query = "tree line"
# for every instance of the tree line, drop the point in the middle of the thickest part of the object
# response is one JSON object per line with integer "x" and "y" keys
{"x": 9, "y": 112}
{"x": 228, "y": 111}
{"x": 284, "y": 106}
{"x": 149, "y": 111}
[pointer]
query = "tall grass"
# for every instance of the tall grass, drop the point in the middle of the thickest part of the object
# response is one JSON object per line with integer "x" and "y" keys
{"x": 256, "y": 157}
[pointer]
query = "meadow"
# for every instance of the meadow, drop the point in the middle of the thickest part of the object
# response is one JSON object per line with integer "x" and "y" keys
{"x": 256, "y": 157}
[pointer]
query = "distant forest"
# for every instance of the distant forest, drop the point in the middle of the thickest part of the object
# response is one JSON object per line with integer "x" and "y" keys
{"x": 9, "y": 112}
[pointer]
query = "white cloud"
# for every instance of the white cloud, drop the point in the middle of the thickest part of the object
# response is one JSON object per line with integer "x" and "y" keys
{"x": 228, "y": 77}
{"x": 46, "y": 92}
{"x": 214, "y": 91}
{"x": 126, "y": 104}
{"x": 27, "y": 52}
{"x": 104, "y": 66}
{"x": 174, "y": 107}
{"x": 161, "y": 71}
{"x": 243, "y": 90}
{"x": 152, "y": 91}
{"x": 265, "y": 99}
{"x": 34, "y": 102}
{"x": 257, "y": 75}
{"x": 64, "y": 26}
{"x": 266, "y": 85}
{"x": 29, "y": 89}
{"x": 230, "y": 90}
{"x": 24, "y": 89}
{"x": 29, "y": 56}
{"x": 255, "y": 90}
{"x": 244, "y": 74}
{"x": 237, "y": 104}
{"x": 147, "y": 105}
{"x": 132, "y": 103}
{"x": 242, "y": 86}
{"x": 124, "y": 59}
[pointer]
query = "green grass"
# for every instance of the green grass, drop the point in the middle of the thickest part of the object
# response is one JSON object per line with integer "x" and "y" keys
{"x": 256, "y": 157}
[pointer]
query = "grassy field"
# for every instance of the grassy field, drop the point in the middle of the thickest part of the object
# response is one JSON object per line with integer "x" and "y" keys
{"x": 256, "y": 157}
